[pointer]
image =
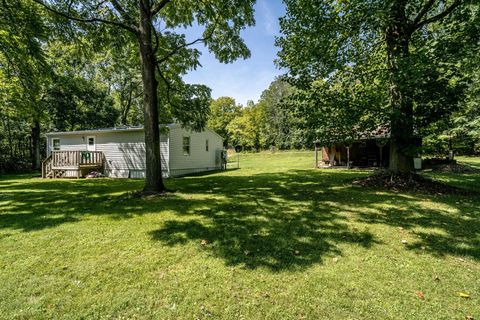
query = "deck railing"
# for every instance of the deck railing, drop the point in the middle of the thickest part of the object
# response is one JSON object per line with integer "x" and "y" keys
{"x": 63, "y": 163}
{"x": 47, "y": 166}
{"x": 75, "y": 159}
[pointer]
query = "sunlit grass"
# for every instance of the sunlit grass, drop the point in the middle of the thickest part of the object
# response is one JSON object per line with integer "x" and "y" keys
{"x": 472, "y": 161}
{"x": 275, "y": 239}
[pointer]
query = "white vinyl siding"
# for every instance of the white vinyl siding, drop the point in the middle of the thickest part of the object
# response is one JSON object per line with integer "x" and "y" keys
{"x": 124, "y": 151}
{"x": 67, "y": 143}
{"x": 199, "y": 159}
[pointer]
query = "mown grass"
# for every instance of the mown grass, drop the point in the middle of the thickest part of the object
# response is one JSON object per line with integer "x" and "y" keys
{"x": 462, "y": 180}
{"x": 272, "y": 240}
{"x": 472, "y": 161}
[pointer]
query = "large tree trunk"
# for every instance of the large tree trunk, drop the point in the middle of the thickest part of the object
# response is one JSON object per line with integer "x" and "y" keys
{"x": 402, "y": 146}
{"x": 35, "y": 134}
{"x": 153, "y": 178}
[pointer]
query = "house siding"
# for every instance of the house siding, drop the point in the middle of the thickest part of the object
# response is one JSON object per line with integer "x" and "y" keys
{"x": 199, "y": 159}
{"x": 125, "y": 154}
{"x": 124, "y": 151}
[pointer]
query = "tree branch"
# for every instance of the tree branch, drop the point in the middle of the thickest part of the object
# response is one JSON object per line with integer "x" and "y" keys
{"x": 423, "y": 12}
{"x": 439, "y": 16}
{"x": 174, "y": 51}
{"x": 156, "y": 9}
{"x": 130, "y": 28}
{"x": 168, "y": 84}
{"x": 128, "y": 19}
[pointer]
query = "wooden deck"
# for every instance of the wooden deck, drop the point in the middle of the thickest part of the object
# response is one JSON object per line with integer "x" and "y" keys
{"x": 72, "y": 164}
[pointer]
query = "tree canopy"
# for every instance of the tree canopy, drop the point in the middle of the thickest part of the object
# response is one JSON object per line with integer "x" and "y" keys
{"x": 402, "y": 49}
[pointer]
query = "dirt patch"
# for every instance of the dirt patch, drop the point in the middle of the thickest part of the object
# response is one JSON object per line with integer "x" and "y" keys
{"x": 408, "y": 182}
{"x": 149, "y": 195}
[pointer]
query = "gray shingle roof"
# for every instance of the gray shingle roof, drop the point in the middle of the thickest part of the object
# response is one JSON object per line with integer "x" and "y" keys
{"x": 103, "y": 130}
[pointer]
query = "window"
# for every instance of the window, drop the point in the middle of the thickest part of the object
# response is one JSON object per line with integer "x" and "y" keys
{"x": 186, "y": 146}
{"x": 206, "y": 145}
{"x": 56, "y": 144}
{"x": 91, "y": 141}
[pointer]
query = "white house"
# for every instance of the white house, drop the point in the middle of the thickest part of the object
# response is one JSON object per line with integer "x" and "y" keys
{"x": 120, "y": 152}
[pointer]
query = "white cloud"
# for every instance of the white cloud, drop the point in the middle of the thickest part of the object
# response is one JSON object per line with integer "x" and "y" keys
{"x": 269, "y": 22}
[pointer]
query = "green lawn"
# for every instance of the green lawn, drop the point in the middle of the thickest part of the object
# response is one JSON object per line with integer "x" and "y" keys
{"x": 472, "y": 161}
{"x": 275, "y": 239}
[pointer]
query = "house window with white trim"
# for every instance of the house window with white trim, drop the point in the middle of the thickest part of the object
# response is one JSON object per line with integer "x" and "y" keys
{"x": 206, "y": 145}
{"x": 56, "y": 144}
{"x": 186, "y": 146}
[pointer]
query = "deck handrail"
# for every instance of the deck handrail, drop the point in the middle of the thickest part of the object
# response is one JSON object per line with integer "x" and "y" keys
{"x": 46, "y": 166}
{"x": 61, "y": 161}
{"x": 76, "y": 158}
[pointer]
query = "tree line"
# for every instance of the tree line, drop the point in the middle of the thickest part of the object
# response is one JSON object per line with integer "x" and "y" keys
{"x": 280, "y": 121}
{"x": 270, "y": 123}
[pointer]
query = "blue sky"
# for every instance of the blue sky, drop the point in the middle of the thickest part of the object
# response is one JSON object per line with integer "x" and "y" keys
{"x": 245, "y": 80}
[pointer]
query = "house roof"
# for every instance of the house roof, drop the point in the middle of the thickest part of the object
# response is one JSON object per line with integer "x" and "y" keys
{"x": 115, "y": 130}
{"x": 381, "y": 132}
{"x": 103, "y": 130}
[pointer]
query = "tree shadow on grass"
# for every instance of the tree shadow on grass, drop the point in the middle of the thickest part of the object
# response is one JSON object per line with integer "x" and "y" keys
{"x": 265, "y": 220}
{"x": 451, "y": 231}
{"x": 280, "y": 221}
{"x": 36, "y": 204}
{"x": 252, "y": 236}
{"x": 296, "y": 218}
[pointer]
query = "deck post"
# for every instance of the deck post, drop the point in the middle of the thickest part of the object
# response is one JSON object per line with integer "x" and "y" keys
{"x": 316, "y": 156}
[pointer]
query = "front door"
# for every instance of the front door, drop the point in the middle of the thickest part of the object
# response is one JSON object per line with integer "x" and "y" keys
{"x": 91, "y": 143}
